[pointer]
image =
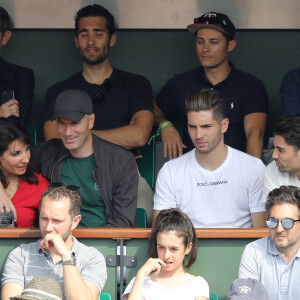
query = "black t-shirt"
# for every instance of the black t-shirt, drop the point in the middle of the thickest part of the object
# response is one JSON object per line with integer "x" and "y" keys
{"x": 243, "y": 93}
{"x": 114, "y": 102}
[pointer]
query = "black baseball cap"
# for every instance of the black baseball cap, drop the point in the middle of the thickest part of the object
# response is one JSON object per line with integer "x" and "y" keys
{"x": 73, "y": 105}
{"x": 213, "y": 20}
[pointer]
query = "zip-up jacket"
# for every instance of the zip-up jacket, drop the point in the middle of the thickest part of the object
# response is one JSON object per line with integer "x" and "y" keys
{"x": 115, "y": 174}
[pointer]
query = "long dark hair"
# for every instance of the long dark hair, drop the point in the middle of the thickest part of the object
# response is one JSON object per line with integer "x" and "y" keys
{"x": 174, "y": 219}
{"x": 9, "y": 132}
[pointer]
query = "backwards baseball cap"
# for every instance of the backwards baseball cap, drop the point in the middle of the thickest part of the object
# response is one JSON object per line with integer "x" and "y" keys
{"x": 213, "y": 20}
{"x": 73, "y": 105}
{"x": 40, "y": 288}
{"x": 251, "y": 289}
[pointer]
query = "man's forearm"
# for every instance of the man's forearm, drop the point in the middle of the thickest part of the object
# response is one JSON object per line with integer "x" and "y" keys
{"x": 129, "y": 136}
{"x": 254, "y": 144}
{"x": 75, "y": 287}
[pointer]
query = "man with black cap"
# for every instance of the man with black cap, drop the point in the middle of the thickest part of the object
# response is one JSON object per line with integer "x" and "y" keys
{"x": 245, "y": 95}
{"x": 106, "y": 173}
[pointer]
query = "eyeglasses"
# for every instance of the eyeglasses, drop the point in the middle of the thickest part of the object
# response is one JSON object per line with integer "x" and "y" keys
{"x": 286, "y": 223}
{"x": 71, "y": 187}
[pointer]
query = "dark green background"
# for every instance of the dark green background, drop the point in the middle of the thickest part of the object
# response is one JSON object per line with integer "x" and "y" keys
{"x": 157, "y": 54}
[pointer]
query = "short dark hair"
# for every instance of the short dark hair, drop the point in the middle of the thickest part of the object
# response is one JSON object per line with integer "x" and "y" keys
{"x": 57, "y": 193}
{"x": 289, "y": 129}
{"x": 96, "y": 10}
{"x": 206, "y": 99}
{"x": 5, "y": 21}
{"x": 10, "y": 132}
{"x": 285, "y": 194}
{"x": 174, "y": 220}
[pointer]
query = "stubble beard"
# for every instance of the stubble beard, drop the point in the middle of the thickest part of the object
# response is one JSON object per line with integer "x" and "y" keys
{"x": 95, "y": 60}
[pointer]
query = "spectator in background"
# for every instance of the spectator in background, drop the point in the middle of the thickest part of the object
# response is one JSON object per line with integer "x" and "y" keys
{"x": 245, "y": 95}
{"x": 290, "y": 93}
{"x": 285, "y": 169}
{"x": 16, "y": 82}
{"x": 22, "y": 186}
{"x": 214, "y": 184}
{"x": 122, "y": 101}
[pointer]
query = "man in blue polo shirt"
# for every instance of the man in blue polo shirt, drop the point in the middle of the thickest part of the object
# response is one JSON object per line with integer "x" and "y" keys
{"x": 245, "y": 95}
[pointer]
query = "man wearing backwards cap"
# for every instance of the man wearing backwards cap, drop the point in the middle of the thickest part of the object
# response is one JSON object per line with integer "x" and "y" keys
{"x": 245, "y": 95}
{"x": 105, "y": 172}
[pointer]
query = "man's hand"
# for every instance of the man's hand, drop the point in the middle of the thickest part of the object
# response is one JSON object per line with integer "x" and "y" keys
{"x": 54, "y": 243}
{"x": 172, "y": 142}
{"x": 10, "y": 108}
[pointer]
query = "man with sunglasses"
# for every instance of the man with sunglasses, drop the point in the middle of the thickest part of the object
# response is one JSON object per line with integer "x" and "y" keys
{"x": 80, "y": 270}
{"x": 245, "y": 95}
{"x": 275, "y": 259}
{"x": 122, "y": 101}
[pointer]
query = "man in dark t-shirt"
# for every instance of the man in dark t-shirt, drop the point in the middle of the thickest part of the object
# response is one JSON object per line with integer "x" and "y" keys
{"x": 245, "y": 95}
{"x": 122, "y": 101}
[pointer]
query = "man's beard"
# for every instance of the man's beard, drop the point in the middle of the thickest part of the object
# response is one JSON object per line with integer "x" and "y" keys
{"x": 95, "y": 60}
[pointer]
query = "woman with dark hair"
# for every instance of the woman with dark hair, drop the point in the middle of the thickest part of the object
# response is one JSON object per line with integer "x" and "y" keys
{"x": 22, "y": 185}
{"x": 172, "y": 249}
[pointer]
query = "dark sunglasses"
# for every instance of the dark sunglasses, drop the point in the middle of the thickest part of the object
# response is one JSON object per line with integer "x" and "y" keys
{"x": 211, "y": 20}
{"x": 106, "y": 86}
{"x": 286, "y": 223}
{"x": 71, "y": 187}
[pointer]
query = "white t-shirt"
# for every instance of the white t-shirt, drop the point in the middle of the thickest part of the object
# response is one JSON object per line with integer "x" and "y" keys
{"x": 152, "y": 290}
{"x": 275, "y": 179}
{"x": 225, "y": 197}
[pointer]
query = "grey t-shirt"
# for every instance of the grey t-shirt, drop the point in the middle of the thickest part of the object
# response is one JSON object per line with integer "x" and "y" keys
{"x": 29, "y": 260}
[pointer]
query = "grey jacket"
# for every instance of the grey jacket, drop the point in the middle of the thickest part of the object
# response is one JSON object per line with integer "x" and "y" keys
{"x": 115, "y": 174}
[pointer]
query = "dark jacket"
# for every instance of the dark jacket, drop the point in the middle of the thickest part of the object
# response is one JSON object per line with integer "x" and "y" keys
{"x": 115, "y": 174}
{"x": 21, "y": 81}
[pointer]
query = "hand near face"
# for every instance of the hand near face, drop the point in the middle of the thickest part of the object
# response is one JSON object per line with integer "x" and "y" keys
{"x": 151, "y": 265}
{"x": 54, "y": 243}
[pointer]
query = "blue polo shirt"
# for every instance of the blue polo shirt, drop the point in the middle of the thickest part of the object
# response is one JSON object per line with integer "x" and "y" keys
{"x": 243, "y": 93}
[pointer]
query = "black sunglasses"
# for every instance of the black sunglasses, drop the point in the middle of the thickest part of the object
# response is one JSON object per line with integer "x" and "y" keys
{"x": 71, "y": 187}
{"x": 106, "y": 86}
{"x": 211, "y": 20}
{"x": 286, "y": 223}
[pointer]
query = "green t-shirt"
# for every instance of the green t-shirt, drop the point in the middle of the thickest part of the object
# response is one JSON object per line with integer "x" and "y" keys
{"x": 79, "y": 171}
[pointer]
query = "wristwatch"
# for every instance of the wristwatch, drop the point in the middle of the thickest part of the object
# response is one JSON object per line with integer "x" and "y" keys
{"x": 71, "y": 261}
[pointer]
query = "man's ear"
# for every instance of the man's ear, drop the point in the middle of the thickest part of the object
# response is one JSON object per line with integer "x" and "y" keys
{"x": 91, "y": 121}
{"x": 76, "y": 221}
{"x": 225, "y": 124}
{"x": 113, "y": 40}
{"x": 6, "y": 37}
{"x": 76, "y": 41}
{"x": 231, "y": 45}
